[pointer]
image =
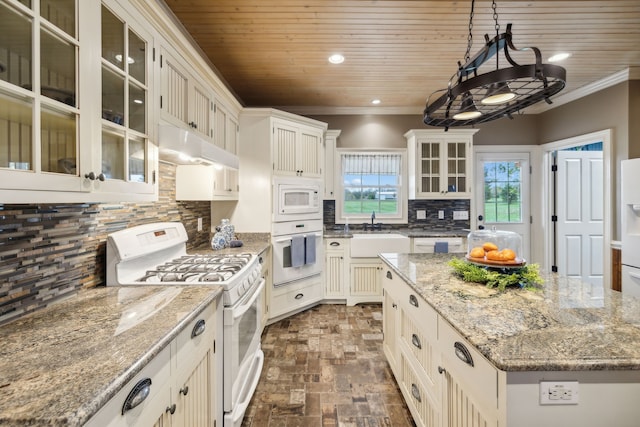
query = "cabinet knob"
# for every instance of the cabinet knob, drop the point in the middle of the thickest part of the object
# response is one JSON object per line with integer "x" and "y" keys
{"x": 171, "y": 409}
{"x": 441, "y": 370}
{"x": 184, "y": 390}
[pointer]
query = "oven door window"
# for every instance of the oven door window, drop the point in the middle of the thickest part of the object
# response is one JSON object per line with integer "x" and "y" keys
{"x": 245, "y": 331}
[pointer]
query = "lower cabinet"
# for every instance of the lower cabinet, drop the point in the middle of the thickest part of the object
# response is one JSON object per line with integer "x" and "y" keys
{"x": 292, "y": 297}
{"x": 181, "y": 386}
{"x": 337, "y": 262}
{"x": 364, "y": 281}
{"x": 445, "y": 381}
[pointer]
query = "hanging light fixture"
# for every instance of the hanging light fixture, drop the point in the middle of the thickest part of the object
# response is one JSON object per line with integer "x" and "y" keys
{"x": 472, "y": 97}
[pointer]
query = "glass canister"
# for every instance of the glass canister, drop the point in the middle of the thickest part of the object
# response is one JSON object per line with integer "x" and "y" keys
{"x": 495, "y": 247}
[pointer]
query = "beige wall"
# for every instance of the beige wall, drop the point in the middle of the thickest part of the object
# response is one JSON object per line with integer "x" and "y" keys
{"x": 386, "y": 131}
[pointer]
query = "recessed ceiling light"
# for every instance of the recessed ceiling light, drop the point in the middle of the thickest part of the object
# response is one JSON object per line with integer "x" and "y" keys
{"x": 375, "y": 102}
{"x": 336, "y": 59}
{"x": 559, "y": 57}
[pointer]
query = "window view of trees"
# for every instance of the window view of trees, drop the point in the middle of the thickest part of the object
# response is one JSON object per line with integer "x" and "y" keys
{"x": 502, "y": 192}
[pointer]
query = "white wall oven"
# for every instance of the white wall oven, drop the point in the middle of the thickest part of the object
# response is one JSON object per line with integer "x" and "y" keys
{"x": 156, "y": 254}
{"x": 296, "y": 199}
{"x": 297, "y": 250}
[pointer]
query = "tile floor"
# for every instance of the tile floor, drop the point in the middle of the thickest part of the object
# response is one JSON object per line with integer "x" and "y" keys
{"x": 325, "y": 367}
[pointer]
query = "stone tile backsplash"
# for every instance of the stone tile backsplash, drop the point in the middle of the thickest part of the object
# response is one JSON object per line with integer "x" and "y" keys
{"x": 48, "y": 252}
{"x": 431, "y": 223}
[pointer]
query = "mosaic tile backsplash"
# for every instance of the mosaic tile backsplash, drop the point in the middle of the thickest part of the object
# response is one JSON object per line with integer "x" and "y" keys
{"x": 48, "y": 252}
{"x": 431, "y": 223}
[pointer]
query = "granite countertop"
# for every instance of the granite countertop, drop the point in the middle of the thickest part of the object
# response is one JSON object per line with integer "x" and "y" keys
{"x": 409, "y": 232}
{"x": 254, "y": 243}
{"x": 567, "y": 325}
{"x": 60, "y": 365}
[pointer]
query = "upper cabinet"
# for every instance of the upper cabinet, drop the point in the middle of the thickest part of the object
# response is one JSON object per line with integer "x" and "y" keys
{"x": 227, "y": 129}
{"x": 184, "y": 99}
{"x": 440, "y": 163}
{"x": 74, "y": 120}
{"x": 297, "y": 149}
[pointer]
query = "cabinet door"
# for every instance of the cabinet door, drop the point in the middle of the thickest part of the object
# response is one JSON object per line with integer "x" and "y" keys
{"x": 127, "y": 163}
{"x": 232, "y": 133}
{"x": 40, "y": 86}
{"x": 389, "y": 328}
{"x": 364, "y": 281}
{"x": 193, "y": 396}
{"x": 309, "y": 154}
{"x": 184, "y": 100}
{"x": 284, "y": 149}
{"x": 336, "y": 263}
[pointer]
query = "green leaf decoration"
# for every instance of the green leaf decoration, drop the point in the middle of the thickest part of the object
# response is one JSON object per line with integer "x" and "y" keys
{"x": 526, "y": 277}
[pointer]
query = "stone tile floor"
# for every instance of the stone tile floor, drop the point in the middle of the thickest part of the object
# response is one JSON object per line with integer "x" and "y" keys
{"x": 325, "y": 367}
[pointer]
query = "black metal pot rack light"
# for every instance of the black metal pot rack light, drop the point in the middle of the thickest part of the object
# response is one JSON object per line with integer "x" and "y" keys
{"x": 466, "y": 89}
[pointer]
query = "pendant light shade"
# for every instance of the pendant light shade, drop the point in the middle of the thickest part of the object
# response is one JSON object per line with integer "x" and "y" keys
{"x": 501, "y": 91}
{"x": 468, "y": 110}
{"x": 498, "y": 93}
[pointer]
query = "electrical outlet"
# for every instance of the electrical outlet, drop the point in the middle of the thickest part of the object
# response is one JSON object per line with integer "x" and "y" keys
{"x": 461, "y": 215}
{"x": 559, "y": 392}
{"x": 199, "y": 224}
{"x": 421, "y": 214}
{"x": 441, "y": 214}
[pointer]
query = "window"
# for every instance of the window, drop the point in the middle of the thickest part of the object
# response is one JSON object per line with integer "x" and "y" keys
{"x": 502, "y": 192}
{"x": 372, "y": 182}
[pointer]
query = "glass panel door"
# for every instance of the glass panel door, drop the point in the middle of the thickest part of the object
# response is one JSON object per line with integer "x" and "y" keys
{"x": 502, "y": 194}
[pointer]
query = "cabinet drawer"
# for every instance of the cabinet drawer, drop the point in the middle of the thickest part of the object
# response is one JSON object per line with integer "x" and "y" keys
{"x": 420, "y": 341}
{"x": 479, "y": 376}
{"x": 423, "y": 407}
{"x": 158, "y": 371}
{"x": 290, "y": 297}
{"x": 194, "y": 340}
{"x": 336, "y": 244}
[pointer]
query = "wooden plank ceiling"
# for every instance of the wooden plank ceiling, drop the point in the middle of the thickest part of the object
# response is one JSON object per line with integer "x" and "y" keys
{"x": 273, "y": 53}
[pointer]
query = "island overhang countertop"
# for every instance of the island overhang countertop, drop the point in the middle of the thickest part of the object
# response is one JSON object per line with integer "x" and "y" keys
{"x": 567, "y": 325}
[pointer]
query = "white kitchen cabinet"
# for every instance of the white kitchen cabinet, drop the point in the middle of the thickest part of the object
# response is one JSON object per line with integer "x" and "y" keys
{"x": 206, "y": 182}
{"x": 253, "y": 212}
{"x": 337, "y": 261}
{"x": 297, "y": 149}
{"x": 443, "y": 378}
{"x": 289, "y": 298}
{"x": 440, "y": 163}
{"x": 364, "y": 281}
{"x": 226, "y": 128}
{"x": 184, "y": 99}
{"x": 330, "y": 143}
{"x": 68, "y": 139}
{"x": 184, "y": 381}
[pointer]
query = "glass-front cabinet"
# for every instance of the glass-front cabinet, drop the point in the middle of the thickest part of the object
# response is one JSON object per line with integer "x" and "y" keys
{"x": 440, "y": 163}
{"x": 74, "y": 124}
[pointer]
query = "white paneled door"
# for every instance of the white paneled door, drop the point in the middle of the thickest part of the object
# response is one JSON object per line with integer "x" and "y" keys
{"x": 579, "y": 209}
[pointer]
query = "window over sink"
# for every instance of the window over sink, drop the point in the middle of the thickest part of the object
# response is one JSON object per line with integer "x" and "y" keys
{"x": 372, "y": 181}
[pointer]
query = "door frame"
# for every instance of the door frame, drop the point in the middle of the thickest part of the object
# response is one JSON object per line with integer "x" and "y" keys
{"x": 604, "y": 136}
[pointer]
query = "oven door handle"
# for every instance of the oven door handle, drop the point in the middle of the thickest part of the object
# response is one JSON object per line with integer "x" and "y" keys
{"x": 246, "y": 305}
{"x": 288, "y": 239}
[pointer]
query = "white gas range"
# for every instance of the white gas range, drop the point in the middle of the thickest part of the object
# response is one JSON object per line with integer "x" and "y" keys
{"x": 154, "y": 254}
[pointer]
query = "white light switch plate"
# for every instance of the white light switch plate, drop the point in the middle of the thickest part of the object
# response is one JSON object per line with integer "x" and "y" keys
{"x": 421, "y": 214}
{"x": 440, "y": 214}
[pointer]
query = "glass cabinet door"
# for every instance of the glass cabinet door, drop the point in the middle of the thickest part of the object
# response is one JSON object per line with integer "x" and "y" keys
{"x": 50, "y": 99}
{"x": 124, "y": 100}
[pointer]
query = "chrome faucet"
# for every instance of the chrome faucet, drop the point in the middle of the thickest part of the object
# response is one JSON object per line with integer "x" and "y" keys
{"x": 373, "y": 216}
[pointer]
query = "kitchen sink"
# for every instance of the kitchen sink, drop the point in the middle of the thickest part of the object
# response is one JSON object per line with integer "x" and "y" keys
{"x": 371, "y": 244}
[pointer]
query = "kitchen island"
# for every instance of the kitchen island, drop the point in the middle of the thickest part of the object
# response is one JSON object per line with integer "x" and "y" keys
{"x": 567, "y": 354}
{"x": 61, "y": 365}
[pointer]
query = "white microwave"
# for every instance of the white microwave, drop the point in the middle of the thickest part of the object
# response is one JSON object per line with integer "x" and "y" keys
{"x": 296, "y": 199}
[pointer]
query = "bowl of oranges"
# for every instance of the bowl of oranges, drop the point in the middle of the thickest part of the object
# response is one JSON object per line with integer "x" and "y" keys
{"x": 495, "y": 248}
